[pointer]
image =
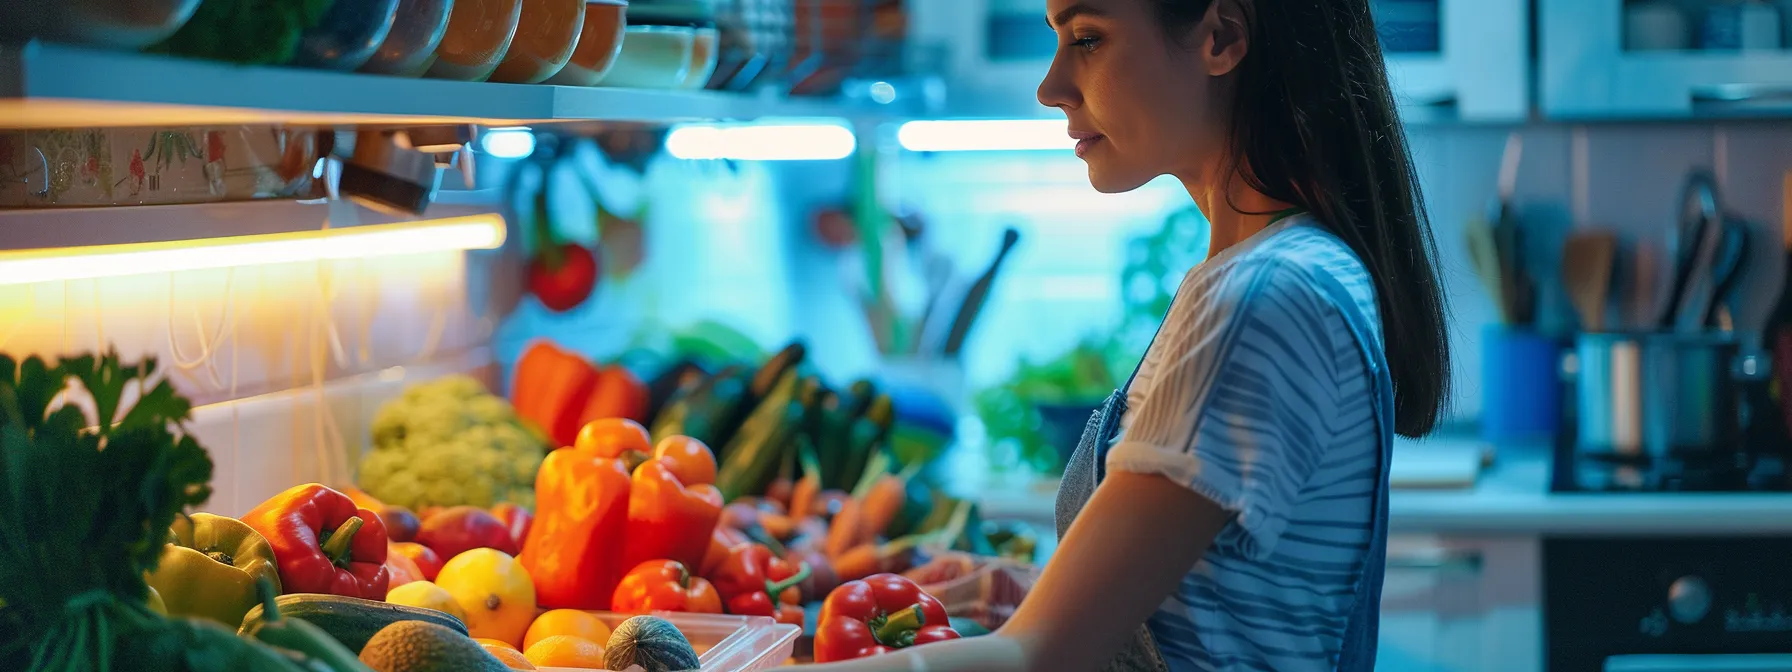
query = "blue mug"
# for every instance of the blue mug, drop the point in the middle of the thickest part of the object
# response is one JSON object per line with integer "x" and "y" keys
{"x": 1521, "y": 384}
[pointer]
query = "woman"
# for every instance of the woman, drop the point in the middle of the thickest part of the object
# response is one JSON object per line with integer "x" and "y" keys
{"x": 1240, "y": 518}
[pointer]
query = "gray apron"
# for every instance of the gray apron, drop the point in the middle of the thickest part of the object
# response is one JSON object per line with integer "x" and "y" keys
{"x": 1088, "y": 465}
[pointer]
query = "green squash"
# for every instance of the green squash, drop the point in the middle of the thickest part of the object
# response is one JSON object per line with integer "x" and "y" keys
{"x": 651, "y": 642}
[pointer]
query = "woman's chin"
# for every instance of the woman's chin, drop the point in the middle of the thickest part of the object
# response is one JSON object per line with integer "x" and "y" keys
{"x": 1107, "y": 180}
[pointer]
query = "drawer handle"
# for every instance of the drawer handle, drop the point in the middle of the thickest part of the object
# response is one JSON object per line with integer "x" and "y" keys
{"x": 1719, "y": 94}
{"x": 1439, "y": 562}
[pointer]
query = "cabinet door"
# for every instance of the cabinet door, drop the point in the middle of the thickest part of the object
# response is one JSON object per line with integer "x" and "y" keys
{"x": 1457, "y": 604}
{"x": 1429, "y": 614}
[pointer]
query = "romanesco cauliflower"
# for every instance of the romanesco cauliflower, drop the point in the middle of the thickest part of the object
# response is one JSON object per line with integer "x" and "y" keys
{"x": 448, "y": 442}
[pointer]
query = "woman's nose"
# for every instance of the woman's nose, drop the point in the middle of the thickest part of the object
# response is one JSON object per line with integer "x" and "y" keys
{"x": 1056, "y": 89}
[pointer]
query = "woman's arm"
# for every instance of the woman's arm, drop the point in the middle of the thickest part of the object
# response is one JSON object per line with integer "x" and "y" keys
{"x": 1126, "y": 551}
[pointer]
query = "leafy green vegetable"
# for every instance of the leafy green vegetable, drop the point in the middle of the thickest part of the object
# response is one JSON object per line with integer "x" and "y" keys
{"x": 87, "y": 504}
{"x": 251, "y": 32}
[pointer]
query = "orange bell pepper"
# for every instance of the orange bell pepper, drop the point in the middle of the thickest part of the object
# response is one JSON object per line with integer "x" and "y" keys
{"x": 688, "y": 458}
{"x": 666, "y": 519}
{"x": 550, "y": 388}
{"x": 581, "y": 511}
{"x": 617, "y": 394}
{"x": 665, "y": 585}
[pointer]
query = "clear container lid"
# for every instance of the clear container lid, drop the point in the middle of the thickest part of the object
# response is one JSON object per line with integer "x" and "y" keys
{"x": 724, "y": 642}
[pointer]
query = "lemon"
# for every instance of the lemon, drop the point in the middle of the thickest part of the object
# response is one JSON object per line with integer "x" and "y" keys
{"x": 426, "y": 595}
{"x": 494, "y": 591}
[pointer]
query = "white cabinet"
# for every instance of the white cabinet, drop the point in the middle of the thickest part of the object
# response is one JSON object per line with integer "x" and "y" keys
{"x": 1461, "y": 604}
{"x": 1586, "y": 72}
{"x": 1480, "y": 71}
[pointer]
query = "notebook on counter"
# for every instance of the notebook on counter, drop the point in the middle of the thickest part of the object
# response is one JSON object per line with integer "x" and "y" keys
{"x": 1438, "y": 464}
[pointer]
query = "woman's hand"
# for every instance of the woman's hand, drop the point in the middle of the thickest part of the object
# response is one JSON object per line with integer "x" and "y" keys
{"x": 1127, "y": 550}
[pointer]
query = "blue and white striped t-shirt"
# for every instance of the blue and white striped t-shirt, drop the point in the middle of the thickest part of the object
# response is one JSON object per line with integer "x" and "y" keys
{"x": 1257, "y": 395}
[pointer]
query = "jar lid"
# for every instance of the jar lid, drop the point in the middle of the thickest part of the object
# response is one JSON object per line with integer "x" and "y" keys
{"x": 613, "y": 3}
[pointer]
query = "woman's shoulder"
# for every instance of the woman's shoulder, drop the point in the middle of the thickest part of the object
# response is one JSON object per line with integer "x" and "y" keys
{"x": 1297, "y": 268}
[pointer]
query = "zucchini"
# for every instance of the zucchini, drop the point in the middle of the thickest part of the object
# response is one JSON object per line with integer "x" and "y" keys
{"x": 350, "y": 620}
{"x": 754, "y": 454}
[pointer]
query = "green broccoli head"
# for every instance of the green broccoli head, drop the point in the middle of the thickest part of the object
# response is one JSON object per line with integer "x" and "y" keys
{"x": 448, "y": 442}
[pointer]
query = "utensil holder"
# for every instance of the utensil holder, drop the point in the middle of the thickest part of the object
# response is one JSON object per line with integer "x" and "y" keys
{"x": 1655, "y": 395}
{"x": 1521, "y": 386}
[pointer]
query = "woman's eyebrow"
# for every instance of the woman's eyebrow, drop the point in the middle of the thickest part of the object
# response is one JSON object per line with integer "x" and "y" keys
{"x": 1071, "y": 12}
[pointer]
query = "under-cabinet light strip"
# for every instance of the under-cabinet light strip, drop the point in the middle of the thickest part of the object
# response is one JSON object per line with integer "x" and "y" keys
{"x": 987, "y": 135}
{"x": 472, "y": 232}
{"x": 757, "y": 141}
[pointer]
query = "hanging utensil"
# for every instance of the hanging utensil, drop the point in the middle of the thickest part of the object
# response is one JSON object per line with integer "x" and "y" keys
{"x": 939, "y": 276}
{"x": 1587, "y": 259}
{"x": 1517, "y": 288}
{"x": 1726, "y": 267}
{"x": 1486, "y": 257}
{"x": 977, "y": 296}
{"x": 1698, "y": 234}
{"x": 1649, "y": 288}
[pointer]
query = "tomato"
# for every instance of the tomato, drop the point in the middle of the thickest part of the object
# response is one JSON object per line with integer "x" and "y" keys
{"x": 688, "y": 459}
{"x": 613, "y": 437}
{"x": 565, "y": 286}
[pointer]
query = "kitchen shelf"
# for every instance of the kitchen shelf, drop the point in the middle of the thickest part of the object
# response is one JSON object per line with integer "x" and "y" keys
{"x": 1586, "y": 74}
{"x": 45, "y": 85}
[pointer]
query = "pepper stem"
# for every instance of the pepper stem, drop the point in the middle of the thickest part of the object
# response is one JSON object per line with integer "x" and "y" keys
{"x": 778, "y": 588}
{"x": 336, "y": 547}
{"x": 684, "y": 576}
{"x": 899, "y": 628}
{"x": 270, "y": 608}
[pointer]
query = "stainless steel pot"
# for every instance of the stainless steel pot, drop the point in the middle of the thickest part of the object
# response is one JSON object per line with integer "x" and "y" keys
{"x": 1655, "y": 395}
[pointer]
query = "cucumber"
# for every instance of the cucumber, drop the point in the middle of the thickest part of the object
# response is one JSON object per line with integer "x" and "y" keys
{"x": 352, "y": 621}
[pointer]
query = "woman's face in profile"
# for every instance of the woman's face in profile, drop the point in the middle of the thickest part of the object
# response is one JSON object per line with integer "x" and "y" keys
{"x": 1140, "y": 103}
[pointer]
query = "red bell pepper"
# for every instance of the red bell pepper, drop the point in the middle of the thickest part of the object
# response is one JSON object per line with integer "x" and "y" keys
{"x": 323, "y": 543}
{"x": 581, "y": 510}
{"x": 664, "y": 585}
{"x": 721, "y": 541}
{"x": 550, "y": 389}
{"x": 878, "y": 614}
{"x": 666, "y": 519}
{"x": 753, "y": 582}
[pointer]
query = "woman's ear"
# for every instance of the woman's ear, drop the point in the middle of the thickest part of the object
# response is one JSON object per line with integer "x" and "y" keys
{"x": 1228, "y": 36}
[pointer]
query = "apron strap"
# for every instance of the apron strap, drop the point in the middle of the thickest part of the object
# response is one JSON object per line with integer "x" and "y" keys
{"x": 1362, "y": 631}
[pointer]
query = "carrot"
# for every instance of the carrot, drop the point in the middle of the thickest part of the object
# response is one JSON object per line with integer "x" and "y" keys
{"x": 857, "y": 563}
{"x": 843, "y": 532}
{"x": 882, "y": 502}
{"x": 802, "y": 496}
{"x": 779, "y": 526}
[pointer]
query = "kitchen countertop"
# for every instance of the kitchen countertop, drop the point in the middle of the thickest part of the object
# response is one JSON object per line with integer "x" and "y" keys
{"x": 1512, "y": 497}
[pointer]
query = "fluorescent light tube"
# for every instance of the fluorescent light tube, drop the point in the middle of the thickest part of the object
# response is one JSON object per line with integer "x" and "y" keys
{"x": 508, "y": 143}
{"x": 474, "y": 232}
{"x": 985, "y": 135}
{"x": 762, "y": 142}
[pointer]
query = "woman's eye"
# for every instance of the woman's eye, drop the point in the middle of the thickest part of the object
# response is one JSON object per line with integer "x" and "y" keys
{"x": 1087, "y": 43}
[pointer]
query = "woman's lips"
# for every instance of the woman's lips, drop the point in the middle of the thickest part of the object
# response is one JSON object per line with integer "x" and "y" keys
{"x": 1084, "y": 141}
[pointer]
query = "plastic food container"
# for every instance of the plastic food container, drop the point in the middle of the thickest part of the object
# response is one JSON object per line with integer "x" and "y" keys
{"x": 545, "y": 36}
{"x": 415, "y": 34}
{"x": 599, "y": 43}
{"x": 479, "y": 33}
{"x": 724, "y": 643}
{"x": 653, "y": 57}
{"x": 704, "y": 56}
{"x": 348, "y": 34}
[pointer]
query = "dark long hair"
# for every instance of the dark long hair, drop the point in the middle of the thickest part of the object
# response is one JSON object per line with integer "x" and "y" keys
{"x": 1315, "y": 126}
